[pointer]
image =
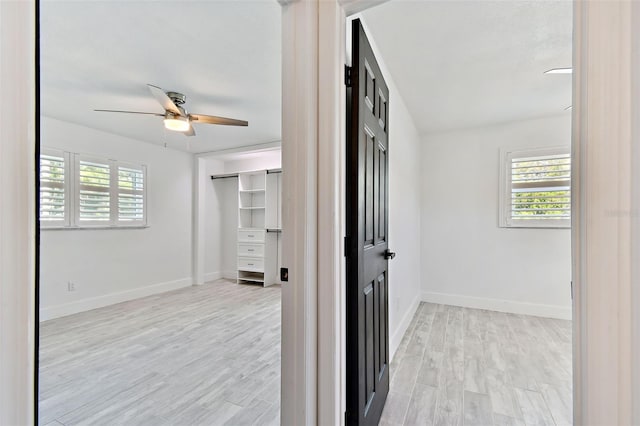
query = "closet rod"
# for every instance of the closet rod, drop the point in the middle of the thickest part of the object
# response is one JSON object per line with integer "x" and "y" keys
{"x": 230, "y": 175}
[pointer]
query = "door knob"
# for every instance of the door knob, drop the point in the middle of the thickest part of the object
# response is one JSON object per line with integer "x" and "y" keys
{"x": 388, "y": 254}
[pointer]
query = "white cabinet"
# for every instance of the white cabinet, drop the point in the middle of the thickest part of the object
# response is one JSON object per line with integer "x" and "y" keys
{"x": 259, "y": 226}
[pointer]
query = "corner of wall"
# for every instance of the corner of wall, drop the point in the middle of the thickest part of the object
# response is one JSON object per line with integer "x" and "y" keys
{"x": 402, "y": 328}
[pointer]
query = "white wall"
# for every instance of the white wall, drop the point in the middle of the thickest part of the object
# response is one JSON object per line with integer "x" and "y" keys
{"x": 213, "y": 222}
{"x": 259, "y": 161}
{"x": 404, "y": 217}
{"x": 225, "y": 213}
{"x": 112, "y": 265}
{"x": 467, "y": 259}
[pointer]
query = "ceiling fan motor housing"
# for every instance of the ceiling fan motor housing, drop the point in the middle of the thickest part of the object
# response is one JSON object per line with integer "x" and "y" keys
{"x": 177, "y": 98}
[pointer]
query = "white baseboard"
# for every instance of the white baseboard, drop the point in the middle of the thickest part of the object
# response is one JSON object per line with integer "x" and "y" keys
{"x": 83, "y": 305}
{"x": 230, "y": 275}
{"x": 499, "y": 305}
{"x": 212, "y": 276}
{"x": 402, "y": 327}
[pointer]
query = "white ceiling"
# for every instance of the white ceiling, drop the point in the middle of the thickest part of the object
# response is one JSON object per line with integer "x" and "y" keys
{"x": 457, "y": 64}
{"x": 460, "y": 64}
{"x": 224, "y": 55}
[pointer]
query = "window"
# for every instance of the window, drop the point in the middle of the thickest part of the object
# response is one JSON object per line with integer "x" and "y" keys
{"x": 93, "y": 191}
{"x": 54, "y": 194}
{"x": 78, "y": 191}
{"x": 130, "y": 194}
{"x": 536, "y": 189}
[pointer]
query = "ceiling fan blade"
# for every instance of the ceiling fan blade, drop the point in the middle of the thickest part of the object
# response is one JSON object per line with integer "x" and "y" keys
{"x": 129, "y": 112}
{"x": 164, "y": 100}
{"x": 211, "y": 119}
{"x": 190, "y": 132}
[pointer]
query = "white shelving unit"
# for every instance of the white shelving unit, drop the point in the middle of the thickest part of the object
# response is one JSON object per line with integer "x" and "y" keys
{"x": 258, "y": 228}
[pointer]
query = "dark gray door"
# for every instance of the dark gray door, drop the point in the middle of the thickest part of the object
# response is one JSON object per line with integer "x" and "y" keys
{"x": 367, "y": 340}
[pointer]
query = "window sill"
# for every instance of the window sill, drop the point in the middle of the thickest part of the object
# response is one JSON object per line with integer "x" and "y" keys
{"x": 535, "y": 226}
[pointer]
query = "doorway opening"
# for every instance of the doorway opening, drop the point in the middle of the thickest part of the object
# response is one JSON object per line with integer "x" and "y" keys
{"x": 479, "y": 150}
{"x": 159, "y": 297}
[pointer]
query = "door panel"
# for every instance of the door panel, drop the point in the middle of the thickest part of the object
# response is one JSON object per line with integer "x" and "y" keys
{"x": 367, "y": 344}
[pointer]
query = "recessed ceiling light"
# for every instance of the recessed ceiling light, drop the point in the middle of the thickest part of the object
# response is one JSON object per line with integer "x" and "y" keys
{"x": 559, "y": 71}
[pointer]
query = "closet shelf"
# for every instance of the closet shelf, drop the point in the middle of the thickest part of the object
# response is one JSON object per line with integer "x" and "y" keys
{"x": 253, "y": 280}
{"x": 258, "y": 249}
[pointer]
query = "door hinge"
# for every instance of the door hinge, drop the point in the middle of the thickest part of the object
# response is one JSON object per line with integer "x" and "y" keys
{"x": 347, "y": 75}
{"x": 571, "y": 290}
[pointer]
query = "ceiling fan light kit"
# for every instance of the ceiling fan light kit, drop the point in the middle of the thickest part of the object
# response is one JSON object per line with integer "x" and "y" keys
{"x": 176, "y": 118}
{"x": 176, "y": 123}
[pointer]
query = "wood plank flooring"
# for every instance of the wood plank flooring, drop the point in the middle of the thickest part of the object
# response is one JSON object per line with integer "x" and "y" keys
{"x": 210, "y": 355}
{"x": 206, "y": 355}
{"x": 459, "y": 366}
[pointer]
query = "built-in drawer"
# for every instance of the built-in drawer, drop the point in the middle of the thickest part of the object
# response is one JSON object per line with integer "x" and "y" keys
{"x": 250, "y": 264}
{"x": 251, "y": 236}
{"x": 252, "y": 250}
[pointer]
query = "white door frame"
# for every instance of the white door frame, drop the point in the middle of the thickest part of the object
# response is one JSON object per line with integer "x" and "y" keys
{"x": 599, "y": 241}
{"x": 17, "y": 212}
{"x": 606, "y": 157}
{"x": 605, "y": 215}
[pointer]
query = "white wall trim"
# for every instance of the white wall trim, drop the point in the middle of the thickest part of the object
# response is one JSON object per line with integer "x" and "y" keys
{"x": 88, "y": 304}
{"x": 212, "y": 276}
{"x": 17, "y": 212}
{"x": 394, "y": 341}
{"x": 498, "y": 305}
{"x": 199, "y": 191}
{"x": 300, "y": 212}
{"x": 635, "y": 207}
{"x": 602, "y": 198}
{"x": 331, "y": 275}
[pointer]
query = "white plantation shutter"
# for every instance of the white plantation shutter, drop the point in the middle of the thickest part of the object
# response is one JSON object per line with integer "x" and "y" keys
{"x": 93, "y": 177}
{"x": 54, "y": 192}
{"x": 78, "y": 191}
{"x": 131, "y": 194}
{"x": 538, "y": 189}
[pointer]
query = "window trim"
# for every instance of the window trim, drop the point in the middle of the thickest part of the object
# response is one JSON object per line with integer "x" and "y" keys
{"x": 504, "y": 210}
{"x": 71, "y": 185}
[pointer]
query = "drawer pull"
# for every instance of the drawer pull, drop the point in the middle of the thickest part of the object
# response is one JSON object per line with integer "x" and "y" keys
{"x": 250, "y": 235}
{"x": 250, "y": 264}
{"x": 250, "y": 250}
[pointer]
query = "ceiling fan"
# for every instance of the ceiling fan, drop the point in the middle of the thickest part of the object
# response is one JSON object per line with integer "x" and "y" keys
{"x": 176, "y": 117}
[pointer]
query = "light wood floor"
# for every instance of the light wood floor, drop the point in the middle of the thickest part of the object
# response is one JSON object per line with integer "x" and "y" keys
{"x": 210, "y": 355}
{"x": 204, "y": 355}
{"x": 459, "y": 366}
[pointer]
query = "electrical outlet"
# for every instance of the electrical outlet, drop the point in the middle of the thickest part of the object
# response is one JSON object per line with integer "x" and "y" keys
{"x": 71, "y": 286}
